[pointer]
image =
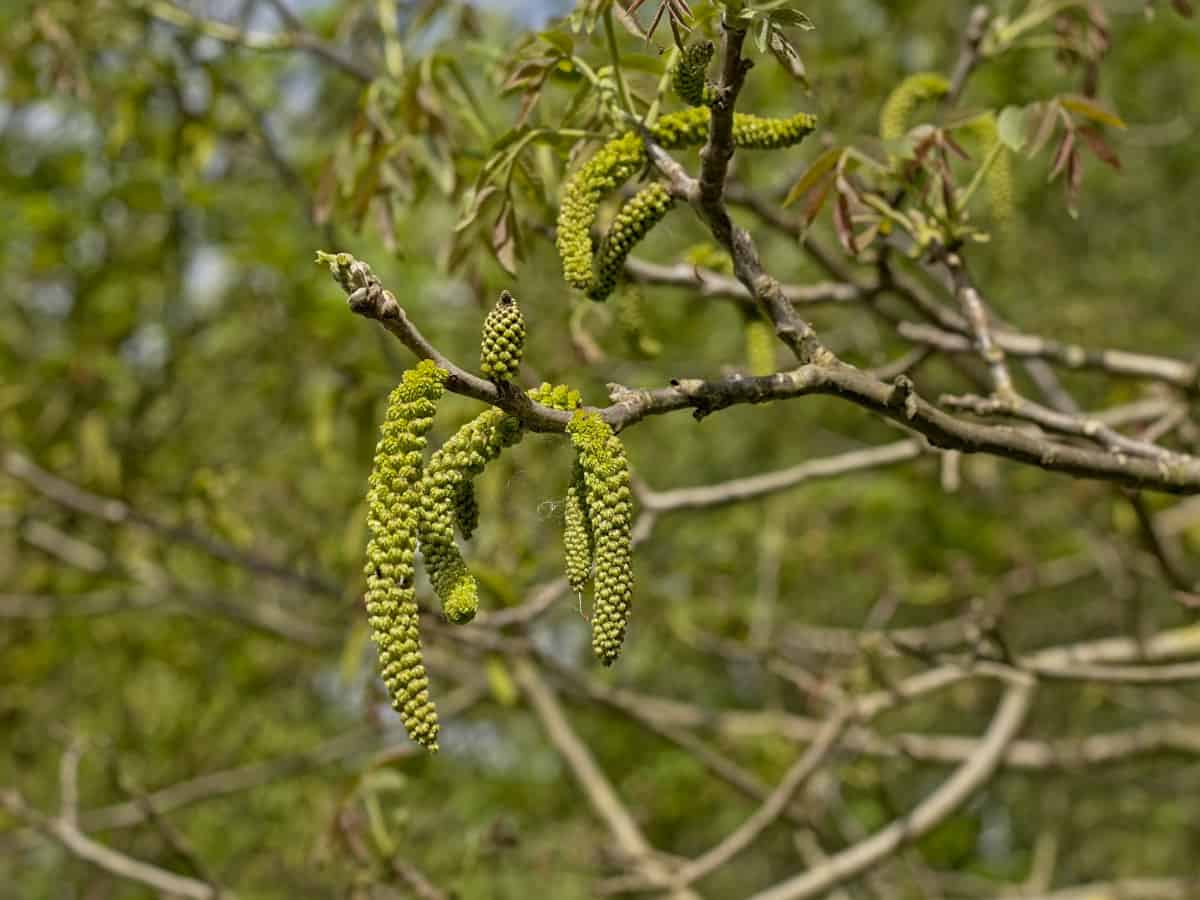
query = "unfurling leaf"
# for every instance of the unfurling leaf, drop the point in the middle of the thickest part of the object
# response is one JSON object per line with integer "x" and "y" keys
{"x": 1090, "y": 109}
{"x": 504, "y": 238}
{"x": 1100, "y": 148}
{"x": 1012, "y": 127}
{"x": 819, "y": 167}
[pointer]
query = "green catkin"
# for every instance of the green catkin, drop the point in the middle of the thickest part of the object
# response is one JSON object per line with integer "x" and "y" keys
{"x": 998, "y": 176}
{"x": 447, "y": 477}
{"x": 641, "y": 212}
{"x": 900, "y": 103}
{"x": 459, "y": 460}
{"x": 631, "y": 322}
{"x": 601, "y": 455}
{"x": 622, "y": 157}
{"x": 392, "y": 517}
{"x": 998, "y": 179}
{"x": 503, "y": 339}
{"x": 466, "y": 510}
{"x": 689, "y": 128}
{"x": 759, "y": 133}
{"x": 688, "y": 75}
{"x": 760, "y": 347}
{"x": 577, "y": 533}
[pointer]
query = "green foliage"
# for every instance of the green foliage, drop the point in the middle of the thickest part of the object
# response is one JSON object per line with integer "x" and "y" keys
{"x": 163, "y": 342}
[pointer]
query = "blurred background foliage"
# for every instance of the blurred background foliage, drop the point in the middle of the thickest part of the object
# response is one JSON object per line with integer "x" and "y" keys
{"x": 166, "y": 339}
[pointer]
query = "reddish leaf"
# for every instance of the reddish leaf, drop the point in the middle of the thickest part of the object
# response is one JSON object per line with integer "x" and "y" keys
{"x": 842, "y": 225}
{"x": 1045, "y": 128}
{"x": 948, "y": 196}
{"x": 815, "y": 199}
{"x": 1074, "y": 179}
{"x": 1063, "y": 155}
{"x": 815, "y": 172}
{"x": 953, "y": 145}
{"x": 504, "y": 238}
{"x": 1096, "y": 143}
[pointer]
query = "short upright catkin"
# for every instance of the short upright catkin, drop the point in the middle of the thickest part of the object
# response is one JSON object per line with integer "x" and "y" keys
{"x": 503, "y": 339}
{"x": 601, "y": 456}
{"x": 392, "y": 517}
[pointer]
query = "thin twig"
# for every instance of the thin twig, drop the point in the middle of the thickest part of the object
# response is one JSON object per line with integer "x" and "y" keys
{"x": 118, "y": 512}
{"x": 932, "y": 811}
{"x": 741, "y": 489}
{"x": 81, "y": 846}
{"x": 601, "y": 795}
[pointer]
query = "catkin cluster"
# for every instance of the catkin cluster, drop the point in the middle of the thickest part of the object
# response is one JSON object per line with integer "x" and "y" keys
{"x": 688, "y": 75}
{"x": 617, "y": 161}
{"x": 410, "y": 503}
{"x": 611, "y": 166}
{"x": 607, "y": 509}
{"x": 392, "y": 517}
{"x": 503, "y": 339}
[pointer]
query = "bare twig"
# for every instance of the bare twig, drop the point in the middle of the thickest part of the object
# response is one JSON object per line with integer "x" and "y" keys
{"x": 707, "y": 283}
{"x": 748, "y": 832}
{"x": 741, "y": 489}
{"x": 80, "y": 845}
{"x": 969, "y": 55}
{"x": 601, "y": 795}
{"x": 1071, "y": 356}
{"x": 117, "y": 512}
{"x": 1183, "y": 888}
{"x": 932, "y": 811}
{"x": 976, "y": 314}
{"x": 1091, "y": 429}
